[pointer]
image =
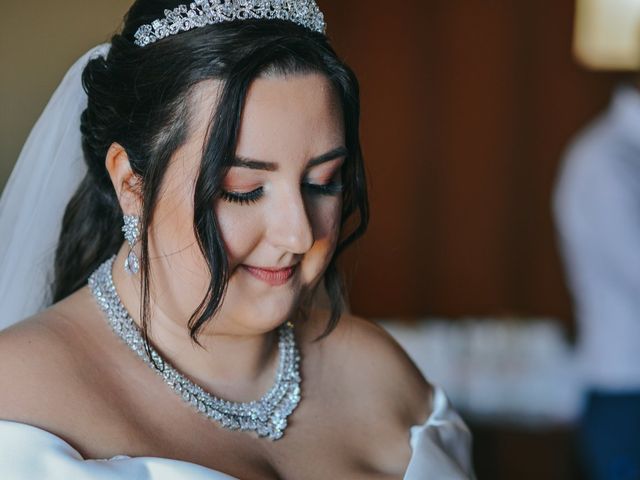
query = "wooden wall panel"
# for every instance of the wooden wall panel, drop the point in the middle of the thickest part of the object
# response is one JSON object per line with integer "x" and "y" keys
{"x": 467, "y": 107}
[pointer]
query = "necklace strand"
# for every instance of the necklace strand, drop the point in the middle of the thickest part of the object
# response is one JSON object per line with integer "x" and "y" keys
{"x": 267, "y": 416}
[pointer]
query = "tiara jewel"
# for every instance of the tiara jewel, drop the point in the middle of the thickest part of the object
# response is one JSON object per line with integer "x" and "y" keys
{"x": 199, "y": 13}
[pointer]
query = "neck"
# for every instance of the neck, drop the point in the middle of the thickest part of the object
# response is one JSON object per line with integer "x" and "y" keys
{"x": 237, "y": 367}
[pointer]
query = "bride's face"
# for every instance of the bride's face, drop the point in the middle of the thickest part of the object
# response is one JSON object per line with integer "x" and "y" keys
{"x": 280, "y": 210}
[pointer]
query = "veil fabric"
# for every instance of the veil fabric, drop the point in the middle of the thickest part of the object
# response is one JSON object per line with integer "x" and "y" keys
{"x": 47, "y": 173}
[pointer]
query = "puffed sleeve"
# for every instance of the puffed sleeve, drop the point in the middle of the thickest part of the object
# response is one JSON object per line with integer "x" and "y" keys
{"x": 441, "y": 446}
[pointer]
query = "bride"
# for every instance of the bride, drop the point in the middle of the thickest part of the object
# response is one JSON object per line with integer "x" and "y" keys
{"x": 208, "y": 166}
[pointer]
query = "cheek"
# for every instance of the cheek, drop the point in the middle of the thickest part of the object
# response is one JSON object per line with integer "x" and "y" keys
{"x": 326, "y": 230}
{"x": 171, "y": 228}
{"x": 172, "y": 241}
{"x": 325, "y": 220}
{"x": 240, "y": 228}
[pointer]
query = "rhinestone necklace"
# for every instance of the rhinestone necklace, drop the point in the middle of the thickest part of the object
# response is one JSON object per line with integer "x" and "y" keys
{"x": 267, "y": 416}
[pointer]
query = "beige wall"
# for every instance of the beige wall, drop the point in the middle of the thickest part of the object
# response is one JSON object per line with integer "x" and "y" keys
{"x": 39, "y": 40}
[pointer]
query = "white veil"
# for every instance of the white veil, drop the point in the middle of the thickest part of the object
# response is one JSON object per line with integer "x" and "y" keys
{"x": 47, "y": 173}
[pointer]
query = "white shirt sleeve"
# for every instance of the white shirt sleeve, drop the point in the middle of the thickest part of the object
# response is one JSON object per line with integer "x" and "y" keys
{"x": 597, "y": 211}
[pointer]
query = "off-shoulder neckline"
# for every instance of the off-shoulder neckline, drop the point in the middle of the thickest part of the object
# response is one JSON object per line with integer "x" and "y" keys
{"x": 437, "y": 417}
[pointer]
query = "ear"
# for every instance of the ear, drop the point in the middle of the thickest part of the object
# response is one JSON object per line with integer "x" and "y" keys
{"x": 126, "y": 183}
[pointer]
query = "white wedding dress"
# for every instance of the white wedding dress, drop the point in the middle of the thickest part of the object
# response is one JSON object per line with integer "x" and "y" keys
{"x": 441, "y": 451}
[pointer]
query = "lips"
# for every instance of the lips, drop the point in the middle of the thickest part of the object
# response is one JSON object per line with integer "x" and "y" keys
{"x": 271, "y": 276}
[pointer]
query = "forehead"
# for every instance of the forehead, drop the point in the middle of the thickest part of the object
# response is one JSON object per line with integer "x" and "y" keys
{"x": 285, "y": 117}
{"x": 288, "y": 117}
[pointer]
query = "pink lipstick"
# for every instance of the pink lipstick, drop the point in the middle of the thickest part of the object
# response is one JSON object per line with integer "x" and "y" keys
{"x": 273, "y": 277}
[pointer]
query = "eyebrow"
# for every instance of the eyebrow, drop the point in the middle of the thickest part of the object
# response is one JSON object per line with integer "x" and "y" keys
{"x": 253, "y": 164}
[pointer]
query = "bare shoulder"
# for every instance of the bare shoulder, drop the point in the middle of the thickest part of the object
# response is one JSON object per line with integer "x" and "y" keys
{"x": 32, "y": 353}
{"x": 366, "y": 360}
{"x": 40, "y": 368}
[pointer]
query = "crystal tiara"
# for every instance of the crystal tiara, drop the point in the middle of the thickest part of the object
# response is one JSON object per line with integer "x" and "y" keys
{"x": 199, "y": 13}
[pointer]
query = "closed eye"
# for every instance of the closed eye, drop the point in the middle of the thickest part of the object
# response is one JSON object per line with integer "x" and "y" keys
{"x": 332, "y": 188}
{"x": 244, "y": 198}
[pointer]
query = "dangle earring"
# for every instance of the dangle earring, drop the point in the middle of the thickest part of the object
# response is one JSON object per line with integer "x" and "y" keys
{"x": 131, "y": 234}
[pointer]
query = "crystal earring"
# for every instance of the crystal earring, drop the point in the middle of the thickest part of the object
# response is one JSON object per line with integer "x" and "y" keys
{"x": 131, "y": 234}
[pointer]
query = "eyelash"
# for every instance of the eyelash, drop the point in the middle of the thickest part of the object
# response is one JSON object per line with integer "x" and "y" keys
{"x": 332, "y": 188}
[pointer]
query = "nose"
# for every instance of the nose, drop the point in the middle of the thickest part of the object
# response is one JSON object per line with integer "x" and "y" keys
{"x": 291, "y": 227}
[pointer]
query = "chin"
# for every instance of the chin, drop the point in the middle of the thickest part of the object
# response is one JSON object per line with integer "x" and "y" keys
{"x": 270, "y": 315}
